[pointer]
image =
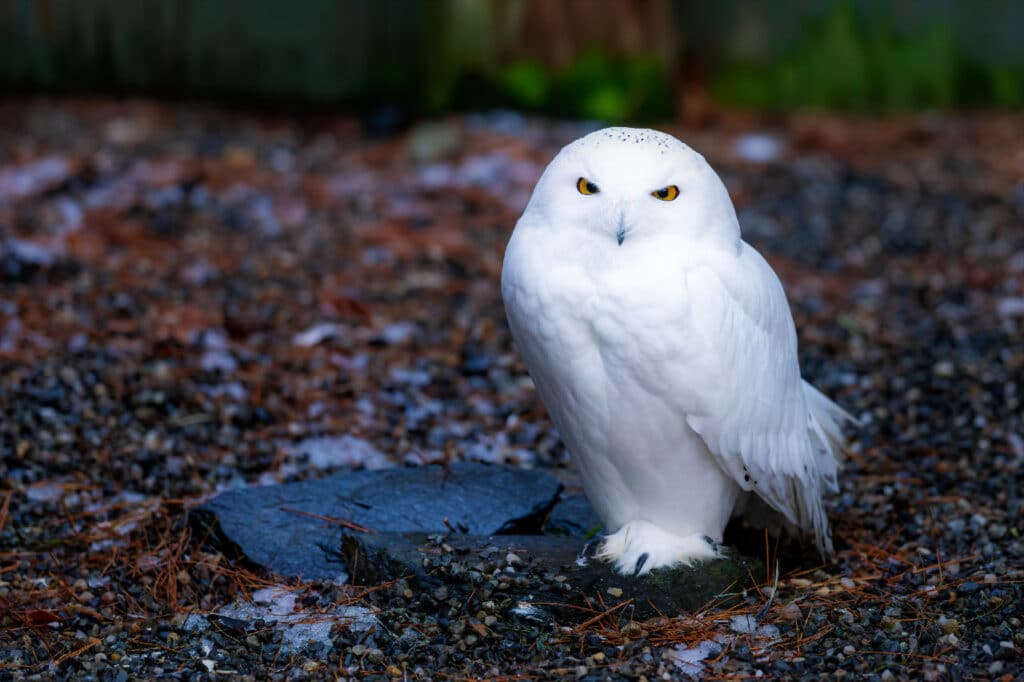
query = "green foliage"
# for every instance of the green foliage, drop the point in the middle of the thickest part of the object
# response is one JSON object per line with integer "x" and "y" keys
{"x": 853, "y": 61}
{"x": 526, "y": 83}
{"x": 595, "y": 85}
{"x": 1008, "y": 86}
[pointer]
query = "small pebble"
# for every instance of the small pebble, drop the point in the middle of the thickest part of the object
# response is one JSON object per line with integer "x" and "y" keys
{"x": 790, "y": 612}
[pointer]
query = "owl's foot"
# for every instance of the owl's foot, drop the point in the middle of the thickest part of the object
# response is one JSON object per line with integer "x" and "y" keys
{"x": 640, "y": 546}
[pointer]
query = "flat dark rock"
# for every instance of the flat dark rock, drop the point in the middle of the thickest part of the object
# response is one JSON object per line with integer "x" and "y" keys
{"x": 462, "y": 526}
{"x": 572, "y": 515}
{"x": 294, "y": 529}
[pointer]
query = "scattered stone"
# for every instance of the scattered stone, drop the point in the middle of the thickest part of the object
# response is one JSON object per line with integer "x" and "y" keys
{"x": 332, "y": 452}
{"x": 298, "y": 627}
{"x": 790, "y": 612}
{"x": 433, "y": 141}
{"x": 758, "y": 147}
{"x": 689, "y": 660}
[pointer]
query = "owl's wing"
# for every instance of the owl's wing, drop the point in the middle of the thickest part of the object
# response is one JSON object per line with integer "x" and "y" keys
{"x": 772, "y": 432}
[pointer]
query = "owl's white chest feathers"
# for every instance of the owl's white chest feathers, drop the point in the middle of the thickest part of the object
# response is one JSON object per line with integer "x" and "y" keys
{"x": 601, "y": 329}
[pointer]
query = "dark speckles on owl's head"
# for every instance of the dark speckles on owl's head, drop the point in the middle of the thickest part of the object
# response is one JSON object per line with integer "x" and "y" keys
{"x": 652, "y": 140}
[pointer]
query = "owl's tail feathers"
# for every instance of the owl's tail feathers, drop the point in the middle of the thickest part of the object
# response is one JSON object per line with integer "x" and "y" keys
{"x": 825, "y": 421}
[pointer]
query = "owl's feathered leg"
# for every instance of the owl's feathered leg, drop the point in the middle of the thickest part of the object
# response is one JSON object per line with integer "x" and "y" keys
{"x": 640, "y": 547}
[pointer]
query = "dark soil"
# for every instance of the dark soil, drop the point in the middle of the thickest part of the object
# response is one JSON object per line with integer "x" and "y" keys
{"x": 187, "y": 296}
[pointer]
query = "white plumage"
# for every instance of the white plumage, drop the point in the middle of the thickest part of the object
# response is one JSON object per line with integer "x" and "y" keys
{"x": 664, "y": 350}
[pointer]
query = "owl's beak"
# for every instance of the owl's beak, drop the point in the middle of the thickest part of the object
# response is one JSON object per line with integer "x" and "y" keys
{"x": 621, "y": 230}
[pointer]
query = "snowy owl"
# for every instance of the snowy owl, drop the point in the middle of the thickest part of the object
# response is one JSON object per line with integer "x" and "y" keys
{"x": 664, "y": 349}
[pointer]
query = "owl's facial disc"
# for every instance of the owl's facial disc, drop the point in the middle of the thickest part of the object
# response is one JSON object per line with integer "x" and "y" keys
{"x": 621, "y": 217}
{"x": 621, "y": 185}
{"x": 627, "y": 203}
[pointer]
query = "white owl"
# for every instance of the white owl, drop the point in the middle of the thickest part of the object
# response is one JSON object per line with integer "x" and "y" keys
{"x": 664, "y": 350}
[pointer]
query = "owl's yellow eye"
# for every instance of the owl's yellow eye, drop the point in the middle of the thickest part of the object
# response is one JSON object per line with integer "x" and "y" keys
{"x": 666, "y": 193}
{"x": 586, "y": 186}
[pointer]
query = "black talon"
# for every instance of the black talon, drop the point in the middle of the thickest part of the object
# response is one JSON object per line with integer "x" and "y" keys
{"x": 719, "y": 548}
{"x": 641, "y": 560}
{"x": 581, "y": 558}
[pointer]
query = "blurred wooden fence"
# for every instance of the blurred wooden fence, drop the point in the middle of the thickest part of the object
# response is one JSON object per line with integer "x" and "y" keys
{"x": 318, "y": 48}
{"x": 596, "y": 56}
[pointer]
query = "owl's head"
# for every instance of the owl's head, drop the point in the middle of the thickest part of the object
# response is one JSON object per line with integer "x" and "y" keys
{"x": 624, "y": 184}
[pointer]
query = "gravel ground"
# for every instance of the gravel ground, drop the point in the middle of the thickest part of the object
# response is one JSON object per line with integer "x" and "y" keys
{"x": 187, "y": 293}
